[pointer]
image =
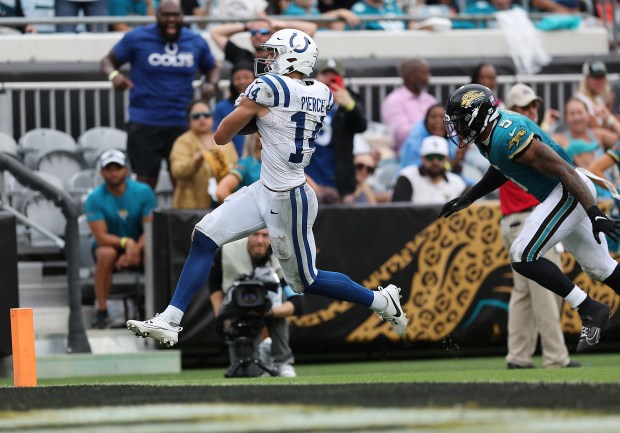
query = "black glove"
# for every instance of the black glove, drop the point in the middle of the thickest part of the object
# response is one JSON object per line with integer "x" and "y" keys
{"x": 455, "y": 205}
{"x": 602, "y": 223}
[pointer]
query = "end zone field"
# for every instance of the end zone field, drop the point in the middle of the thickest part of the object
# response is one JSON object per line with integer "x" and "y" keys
{"x": 448, "y": 395}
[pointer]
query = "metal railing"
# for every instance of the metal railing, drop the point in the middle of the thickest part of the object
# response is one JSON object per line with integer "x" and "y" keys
{"x": 75, "y": 107}
{"x": 76, "y": 339}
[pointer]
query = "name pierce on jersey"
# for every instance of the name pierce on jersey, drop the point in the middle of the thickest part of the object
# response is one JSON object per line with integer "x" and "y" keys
{"x": 310, "y": 103}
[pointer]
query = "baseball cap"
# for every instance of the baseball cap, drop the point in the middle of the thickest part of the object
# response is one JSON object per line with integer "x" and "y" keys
{"x": 521, "y": 95}
{"x": 577, "y": 147}
{"x": 331, "y": 64}
{"x": 112, "y": 156}
{"x": 434, "y": 145}
{"x": 594, "y": 68}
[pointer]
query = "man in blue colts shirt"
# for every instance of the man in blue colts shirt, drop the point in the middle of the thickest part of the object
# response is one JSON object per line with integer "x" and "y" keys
{"x": 164, "y": 58}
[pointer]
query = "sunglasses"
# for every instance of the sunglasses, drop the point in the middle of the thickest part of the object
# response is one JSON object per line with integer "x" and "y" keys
{"x": 263, "y": 32}
{"x": 370, "y": 169}
{"x": 196, "y": 116}
{"x": 434, "y": 157}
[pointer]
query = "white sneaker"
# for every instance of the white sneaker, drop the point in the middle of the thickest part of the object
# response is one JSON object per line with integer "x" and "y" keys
{"x": 394, "y": 312}
{"x": 156, "y": 328}
{"x": 286, "y": 370}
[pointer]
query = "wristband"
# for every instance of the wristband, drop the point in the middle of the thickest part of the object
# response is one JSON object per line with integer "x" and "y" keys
{"x": 611, "y": 120}
{"x": 350, "y": 106}
{"x": 113, "y": 75}
{"x": 594, "y": 212}
{"x": 123, "y": 242}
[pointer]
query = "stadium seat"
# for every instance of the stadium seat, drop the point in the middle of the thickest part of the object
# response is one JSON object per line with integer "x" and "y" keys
{"x": 61, "y": 162}
{"x": 95, "y": 141}
{"x": 36, "y": 142}
{"x": 44, "y": 212}
{"x": 8, "y": 145}
{"x": 82, "y": 183}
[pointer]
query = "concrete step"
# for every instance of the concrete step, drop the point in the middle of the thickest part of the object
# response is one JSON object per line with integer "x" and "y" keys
{"x": 61, "y": 366}
{"x": 102, "y": 341}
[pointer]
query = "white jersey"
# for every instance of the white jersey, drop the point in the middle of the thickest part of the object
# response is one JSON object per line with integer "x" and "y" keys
{"x": 296, "y": 112}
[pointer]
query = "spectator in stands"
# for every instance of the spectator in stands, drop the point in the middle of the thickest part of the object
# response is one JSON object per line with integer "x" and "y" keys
{"x": 241, "y": 77}
{"x": 432, "y": 182}
{"x": 582, "y": 152}
{"x": 164, "y": 58}
{"x": 483, "y": 7}
{"x": 245, "y": 172}
{"x": 595, "y": 92}
{"x": 308, "y": 8}
{"x": 365, "y": 165}
{"x": 408, "y": 104}
{"x": 522, "y": 99}
{"x": 13, "y": 8}
{"x": 330, "y": 5}
{"x": 432, "y": 124}
{"x": 486, "y": 74}
{"x": 194, "y": 8}
{"x": 89, "y": 8}
{"x": 116, "y": 212}
{"x": 124, "y": 8}
{"x": 381, "y": 7}
{"x": 243, "y": 257}
{"x": 260, "y": 31}
{"x": 331, "y": 166}
{"x": 195, "y": 160}
{"x": 577, "y": 123}
{"x": 555, "y": 6}
{"x": 242, "y": 9}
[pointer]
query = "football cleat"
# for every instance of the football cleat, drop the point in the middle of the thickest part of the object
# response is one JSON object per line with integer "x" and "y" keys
{"x": 592, "y": 323}
{"x": 157, "y": 328}
{"x": 394, "y": 312}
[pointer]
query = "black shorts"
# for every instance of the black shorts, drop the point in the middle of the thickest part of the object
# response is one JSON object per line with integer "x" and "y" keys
{"x": 148, "y": 145}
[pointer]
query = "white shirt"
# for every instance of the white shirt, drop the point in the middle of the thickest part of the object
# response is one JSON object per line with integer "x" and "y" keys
{"x": 426, "y": 192}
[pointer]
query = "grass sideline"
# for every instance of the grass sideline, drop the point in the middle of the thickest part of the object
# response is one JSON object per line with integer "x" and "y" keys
{"x": 596, "y": 368}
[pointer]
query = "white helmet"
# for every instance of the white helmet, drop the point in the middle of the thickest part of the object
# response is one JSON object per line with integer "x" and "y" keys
{"x": 293, "y": 50}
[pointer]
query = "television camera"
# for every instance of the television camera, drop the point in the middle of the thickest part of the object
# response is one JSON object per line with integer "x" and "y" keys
{"x": 242, "y": 321}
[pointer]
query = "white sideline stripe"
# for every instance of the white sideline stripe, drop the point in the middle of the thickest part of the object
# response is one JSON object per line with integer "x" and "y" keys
{"x": 204, "y": 417}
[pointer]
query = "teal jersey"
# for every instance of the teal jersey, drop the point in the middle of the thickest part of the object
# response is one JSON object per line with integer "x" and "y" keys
{"x": 511, "y": 136}
{"x": 122, "y": 214}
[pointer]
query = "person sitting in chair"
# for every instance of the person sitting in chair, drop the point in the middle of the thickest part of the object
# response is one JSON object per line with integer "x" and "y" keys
{"x": 116, "y": 212}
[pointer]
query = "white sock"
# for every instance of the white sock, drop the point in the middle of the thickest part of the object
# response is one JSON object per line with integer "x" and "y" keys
{"x": 380, "y": 303}
{"x": 172, "y": 315}
{"x": 576, "y": 297}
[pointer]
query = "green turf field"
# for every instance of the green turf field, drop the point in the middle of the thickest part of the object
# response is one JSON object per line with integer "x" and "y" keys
{"x": 447, "y": 395}
{"x": 596, "y": 368}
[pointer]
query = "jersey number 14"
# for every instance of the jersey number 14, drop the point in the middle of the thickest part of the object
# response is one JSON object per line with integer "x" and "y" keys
{"x": 300, "y": 128}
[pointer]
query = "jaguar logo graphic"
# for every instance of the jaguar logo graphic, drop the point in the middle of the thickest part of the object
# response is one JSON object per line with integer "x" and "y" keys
{"x": 469, "y": 98}
{"x": 514, "y": 141}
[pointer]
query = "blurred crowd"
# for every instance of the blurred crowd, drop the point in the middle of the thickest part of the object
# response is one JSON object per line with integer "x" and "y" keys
{"x": 430, "y": 14}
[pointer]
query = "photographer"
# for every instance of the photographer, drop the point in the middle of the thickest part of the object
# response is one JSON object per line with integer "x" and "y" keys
{"x": 243, "y": 257}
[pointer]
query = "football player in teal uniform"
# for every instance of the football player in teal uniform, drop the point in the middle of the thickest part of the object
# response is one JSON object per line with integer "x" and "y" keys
{"x": 521, "y": 151}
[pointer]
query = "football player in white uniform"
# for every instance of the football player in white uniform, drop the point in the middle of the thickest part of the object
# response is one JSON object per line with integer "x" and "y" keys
{"x": 288, "y": 111}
